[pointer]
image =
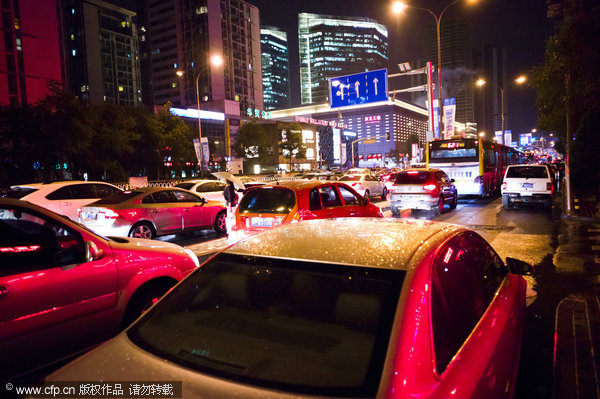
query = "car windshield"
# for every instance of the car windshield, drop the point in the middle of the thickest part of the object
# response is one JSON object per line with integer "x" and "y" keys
{"x": 267, "y": 200}
{"x": 535, "y": 172}
{"x": 185, "y": 186}
{"x": 118, "y": 197}
{"x": 251, "y": 318}
{"x": 413, "y": 177}
{"x": 19, "y": 192}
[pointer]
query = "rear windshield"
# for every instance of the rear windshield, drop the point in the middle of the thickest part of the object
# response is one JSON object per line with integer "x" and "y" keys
{"x": 185, "y": 186}
{"x": 298, "y": 326}
{"x": 350, "y": 178}
{"x": 19, "y": 192}
{"x": 268, "y": 200}
{"x": 413, "y": 177}
{"x": 536, "y": 172}
{"x": 118, "y": 198}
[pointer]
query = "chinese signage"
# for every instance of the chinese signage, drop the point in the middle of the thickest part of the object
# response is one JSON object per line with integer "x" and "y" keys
{"x": 373, "y": 119}
{"x": 257, "y": 113}
{"x": 302, "y": 119}
{"x": 449, "y": 113}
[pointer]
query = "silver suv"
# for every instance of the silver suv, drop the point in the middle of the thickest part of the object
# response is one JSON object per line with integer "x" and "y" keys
{"x": 527, "y": 184}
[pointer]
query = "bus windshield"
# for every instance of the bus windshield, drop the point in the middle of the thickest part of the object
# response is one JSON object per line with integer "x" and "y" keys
{"x": 453, "y": 150}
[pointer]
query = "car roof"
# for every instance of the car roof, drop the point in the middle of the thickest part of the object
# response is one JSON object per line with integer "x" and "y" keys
{"x": 298, "y": 185}
{"x": 372, "y": 242}
{"x": 57, "y": 183}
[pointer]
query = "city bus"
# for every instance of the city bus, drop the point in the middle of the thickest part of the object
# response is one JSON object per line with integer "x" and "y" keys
{"x": 476, "y": 165}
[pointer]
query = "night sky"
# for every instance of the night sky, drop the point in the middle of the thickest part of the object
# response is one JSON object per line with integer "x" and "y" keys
{"x": 520, "y": 26}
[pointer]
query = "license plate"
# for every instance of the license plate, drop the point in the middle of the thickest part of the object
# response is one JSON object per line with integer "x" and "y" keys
{"x": 261, "y": 222}
{"x": 91, "y": 216}
{"x": 527, "y": 185}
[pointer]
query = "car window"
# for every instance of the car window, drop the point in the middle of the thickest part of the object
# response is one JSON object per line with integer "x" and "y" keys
{"x": 413, "y": 177}
{"x": 183, "y": 196}
{"x": 204, "y": 187}
{"x": 162, "y": 197}
{"x": 248, "y": 318}
{"x": 350, "y": 178}
{"x": 329, "y": 197}
{"x": 465, "y": 276}
{"x": 314, "y": 200}
{"x": 118, "y": 197}
{"x": 104, "y": 190}
{"x": 268, "y": 200}
{"x": 82, "y": 191}
{"x": 535, "y": 172}
{"x": 349, "y": 197}
{"x": 32, "y": 241}
{"x": 185, "y": 186}
{"x": 19, "y": 192}
{"x": 60, "y": 194}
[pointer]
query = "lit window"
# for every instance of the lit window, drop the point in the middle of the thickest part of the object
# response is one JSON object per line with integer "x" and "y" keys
{"x": 72, "y": 36}
{"x": 74, "y": 52}
{"x": 121, "y": 88}
{"x": 174, "y": 84}
{"x": 73, "y": 11}
{"x": 175, "y": 65}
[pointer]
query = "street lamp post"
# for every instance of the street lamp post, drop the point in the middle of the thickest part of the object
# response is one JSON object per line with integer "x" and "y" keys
{"x": 215, "y": 60}
{"x": 399, "y": 7}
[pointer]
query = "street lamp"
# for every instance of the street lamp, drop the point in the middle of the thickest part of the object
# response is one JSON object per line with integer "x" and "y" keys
{"x": 520, "y": 80}
{"x": 215, "y": 60}
{"x": 399, "y": 7}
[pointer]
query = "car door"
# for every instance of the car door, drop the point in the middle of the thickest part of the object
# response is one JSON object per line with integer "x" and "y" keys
{"x": 52, "y": 302}
{"x": 325, "y": 202}
{"x": 352, "y": 203}
{"x": 165, "y": 211}
{"x": 195, "y": 214}
{"x": 376, "y": 186}
{"x": 446, "y": 188}
{"x": 477, "y": 314}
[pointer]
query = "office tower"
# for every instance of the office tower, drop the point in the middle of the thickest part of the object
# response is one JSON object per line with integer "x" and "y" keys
{"x": 101, "y": 52}
{"x": 182, "y": 35}
{"x": 275, "y": 68}
{"x": 491, "y": 66}
{"x": 332, "y": 46}
{"x": 458, "y": 76}
{"x": 30, "y": 54}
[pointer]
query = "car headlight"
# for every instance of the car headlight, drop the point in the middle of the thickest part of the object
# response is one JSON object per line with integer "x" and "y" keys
{"x": 193, "y": 256}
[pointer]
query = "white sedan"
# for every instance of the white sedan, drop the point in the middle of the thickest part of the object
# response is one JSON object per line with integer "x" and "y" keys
{"x": 366, "y": 185}
{"x": 210, "y": 190}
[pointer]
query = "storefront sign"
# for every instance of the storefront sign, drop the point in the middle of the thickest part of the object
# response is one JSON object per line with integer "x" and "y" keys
{"x": 302, "y": 119}
{"x": 257, "y": 113}
{"x": 373, "y": 119}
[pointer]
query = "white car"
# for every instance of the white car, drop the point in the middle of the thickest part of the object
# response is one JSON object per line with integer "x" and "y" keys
{"x": 63, "y": 197}
{"x": 366, "y": 185}
{"x": 527, "y": 184}
{"x": 210, "y": 190}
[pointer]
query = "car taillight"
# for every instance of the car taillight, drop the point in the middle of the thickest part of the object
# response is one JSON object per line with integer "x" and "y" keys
{"x": 431, "y": 188}
{"x": 109, "y": 214}
{"x": 79, "y": 213}
{"x": 504, "y": 185}
{"x": 550, "y": 187}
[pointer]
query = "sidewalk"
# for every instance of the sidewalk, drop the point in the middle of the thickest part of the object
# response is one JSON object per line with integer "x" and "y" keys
{"x": 577, "y": 329}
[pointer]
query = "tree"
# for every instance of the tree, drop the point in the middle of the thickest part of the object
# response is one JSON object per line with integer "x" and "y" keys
{"x": 177, "y": 136}
{"x": 252, "y": 142}
{"x": 585, "y": 163}
{"x": 292, "y": 146}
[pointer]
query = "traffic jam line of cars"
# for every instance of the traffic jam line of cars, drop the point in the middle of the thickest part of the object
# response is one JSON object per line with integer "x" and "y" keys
{"x": 359, "y": 304}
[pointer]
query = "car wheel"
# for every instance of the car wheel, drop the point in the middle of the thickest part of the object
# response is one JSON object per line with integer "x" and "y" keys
{"x": 220, "y": 225}
{"x": 439, "y": 209}
{"x": 384, "y": 194}
{"x": 367, "y": 194}
{"x": 143, "y": 299}
{"x": 142, "y": 230}
{"x": 454, "y": 202}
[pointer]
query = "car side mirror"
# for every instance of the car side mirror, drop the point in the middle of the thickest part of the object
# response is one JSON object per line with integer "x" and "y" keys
{"x": 516, "y": 266}
{"x": 452, "y": 180}
{"x": 92, "y": 252}
{"x": 364, "y": 201}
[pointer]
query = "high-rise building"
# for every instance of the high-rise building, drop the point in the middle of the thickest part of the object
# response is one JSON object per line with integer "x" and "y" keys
{"x": 101, "y": 52}
{"x": 458, "y": 77}
{"x": 182, "y": 35}
{"x": 30, "y": 53}
{"x": 333, "y": 46}
{"x": 491, "y": 65}
{"x": 275, "y": 68}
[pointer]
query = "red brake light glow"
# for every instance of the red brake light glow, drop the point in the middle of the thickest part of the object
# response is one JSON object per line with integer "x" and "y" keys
{"x": 429, "y": 187}
{"x": 109, "y": 214}
{"x": 412, "y": 172}
{"x": 21, "y": 248}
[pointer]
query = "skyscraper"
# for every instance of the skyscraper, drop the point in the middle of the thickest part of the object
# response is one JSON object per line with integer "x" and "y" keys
{"x": 101, "y": 52}
{"x": 181, "y": 35}
{"x": 333, "y": 46}
{"x": 30, "y": 53}
{"x": 275, "y": 68}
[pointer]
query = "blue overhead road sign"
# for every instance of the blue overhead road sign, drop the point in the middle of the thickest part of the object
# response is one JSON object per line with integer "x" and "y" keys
{"x": 360, "y": 88}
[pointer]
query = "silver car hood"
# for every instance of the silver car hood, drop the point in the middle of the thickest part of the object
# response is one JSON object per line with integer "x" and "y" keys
{"x": 120, "y": 360}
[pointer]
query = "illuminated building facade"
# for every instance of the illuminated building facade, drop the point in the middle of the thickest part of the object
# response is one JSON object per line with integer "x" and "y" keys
{"x": 333, "y": 46}
{"x": 101, "y": 52}
{"x": 338, "y": 128}
{"x": 30, "y": 51}
{"x": 275, "y": 68}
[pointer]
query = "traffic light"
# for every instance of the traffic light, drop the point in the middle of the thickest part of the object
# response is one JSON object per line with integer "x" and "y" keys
{"x": 387, "y": 136}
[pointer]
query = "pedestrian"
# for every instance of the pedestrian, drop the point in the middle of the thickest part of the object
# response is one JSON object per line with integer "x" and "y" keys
{"x": 231, "y": 200}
